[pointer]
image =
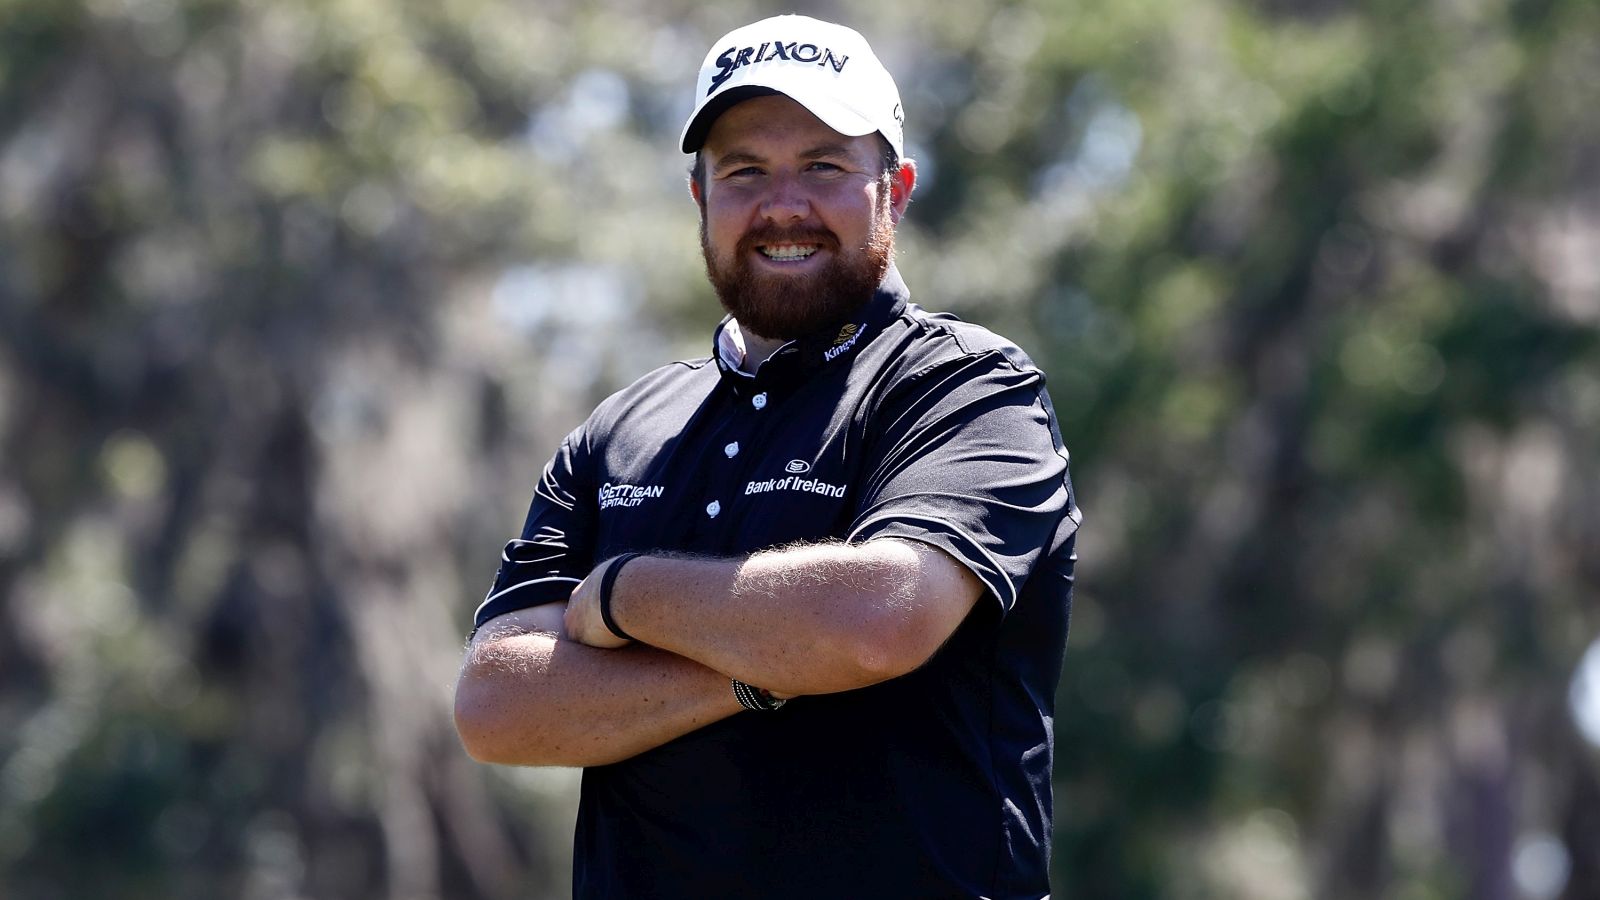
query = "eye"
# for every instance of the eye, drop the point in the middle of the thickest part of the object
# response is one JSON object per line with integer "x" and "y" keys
{"x": 820, "y": 166}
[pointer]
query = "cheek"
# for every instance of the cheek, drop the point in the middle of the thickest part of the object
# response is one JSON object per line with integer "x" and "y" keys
{"x": 725, "y": 213}
{"x": 856, "y": 204}
{"x": 718, "y": 229}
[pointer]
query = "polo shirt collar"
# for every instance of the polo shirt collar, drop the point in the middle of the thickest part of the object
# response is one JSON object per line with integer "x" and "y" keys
{"x": 833, "y": 345}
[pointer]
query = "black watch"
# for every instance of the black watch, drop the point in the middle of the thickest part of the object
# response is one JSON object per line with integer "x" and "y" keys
{"x": 756, "y": 698}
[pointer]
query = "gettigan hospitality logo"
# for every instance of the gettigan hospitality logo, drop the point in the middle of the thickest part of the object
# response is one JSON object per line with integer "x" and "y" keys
{"x": 735, "y": 58}
{"x": 628, "y": 495}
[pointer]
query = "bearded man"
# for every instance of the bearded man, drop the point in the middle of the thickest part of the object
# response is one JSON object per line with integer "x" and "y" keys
{"x": 797, "y": 608}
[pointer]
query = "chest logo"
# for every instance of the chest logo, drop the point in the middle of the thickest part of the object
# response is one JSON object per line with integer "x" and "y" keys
{"x": 847, "y": 338}
{"x": 628, "y": 495}
{"x": 793, "y": 482}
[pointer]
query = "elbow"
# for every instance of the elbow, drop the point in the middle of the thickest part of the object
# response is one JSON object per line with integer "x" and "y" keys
{"x": 493, "y": 729}
{"x": 892, "y": 645}
{"x": 496, "y": 726}
{"x": 910, "y": 614}
{"x": 476, "y": 723}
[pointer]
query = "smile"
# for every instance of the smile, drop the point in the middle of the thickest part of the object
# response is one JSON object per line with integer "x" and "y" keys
{"x": 788, "y": 251}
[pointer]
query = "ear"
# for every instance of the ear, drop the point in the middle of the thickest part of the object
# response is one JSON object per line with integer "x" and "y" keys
{"x": 901, "y": 184}
{"x": 694, "y": 191}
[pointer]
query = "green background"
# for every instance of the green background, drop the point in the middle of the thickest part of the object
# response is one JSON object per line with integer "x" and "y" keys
{"x": 297, "y": 297}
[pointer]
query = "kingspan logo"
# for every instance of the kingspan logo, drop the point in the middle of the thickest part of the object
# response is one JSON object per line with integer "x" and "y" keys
{"x": 627, "y": 495}
{"x": 847, "y": 338}
{"x": 735, "y": 58}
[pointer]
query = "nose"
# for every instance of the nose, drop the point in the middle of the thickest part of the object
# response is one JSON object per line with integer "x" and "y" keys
{"x": 787, "y": 201}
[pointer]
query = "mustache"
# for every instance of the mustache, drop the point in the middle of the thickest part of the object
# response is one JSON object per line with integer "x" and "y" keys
{"x": 773, "y": 234}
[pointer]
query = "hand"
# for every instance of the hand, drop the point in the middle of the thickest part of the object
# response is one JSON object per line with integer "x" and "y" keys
{"x": 583, "y": 620}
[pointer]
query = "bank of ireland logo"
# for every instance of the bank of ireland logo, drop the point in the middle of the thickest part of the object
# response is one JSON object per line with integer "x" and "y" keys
{"x": 794, "y": 481}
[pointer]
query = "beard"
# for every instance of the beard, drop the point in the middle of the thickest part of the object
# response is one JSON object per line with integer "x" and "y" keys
{"x": 787, "y": 307}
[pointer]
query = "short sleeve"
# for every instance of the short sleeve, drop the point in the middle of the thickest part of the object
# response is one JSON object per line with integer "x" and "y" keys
{"x": 556, "y": 548}
{"x": 966, "y": 456}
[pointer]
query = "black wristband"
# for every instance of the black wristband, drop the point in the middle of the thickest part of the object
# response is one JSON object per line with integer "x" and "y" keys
{"x": 606, "y": 582}
{"x": 751, "y": 697}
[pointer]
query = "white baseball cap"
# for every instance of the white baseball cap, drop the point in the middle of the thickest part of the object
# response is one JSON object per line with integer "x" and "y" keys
{"x": 827, "y": 68}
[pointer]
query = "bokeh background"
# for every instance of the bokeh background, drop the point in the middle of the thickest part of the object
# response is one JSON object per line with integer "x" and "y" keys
{"x": 296, "y": 298}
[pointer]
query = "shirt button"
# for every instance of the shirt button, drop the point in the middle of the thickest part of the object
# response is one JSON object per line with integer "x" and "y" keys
{"x": 732, "y": 449}
{"x": 759, "y": 401}
{"x": 713, "y": 508}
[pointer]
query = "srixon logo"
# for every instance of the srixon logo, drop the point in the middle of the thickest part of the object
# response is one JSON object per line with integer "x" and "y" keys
{"x": 735, "y": 58}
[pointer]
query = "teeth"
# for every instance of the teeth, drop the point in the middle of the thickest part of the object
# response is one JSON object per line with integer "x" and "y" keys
{"x": 788, "y": 251}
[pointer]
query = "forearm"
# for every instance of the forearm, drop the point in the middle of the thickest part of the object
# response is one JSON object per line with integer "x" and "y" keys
{"x": 539, "y": 698}
{"x": 805, "y": 620}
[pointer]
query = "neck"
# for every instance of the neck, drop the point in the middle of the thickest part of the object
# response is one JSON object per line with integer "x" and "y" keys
{"x": 757, "y": 350}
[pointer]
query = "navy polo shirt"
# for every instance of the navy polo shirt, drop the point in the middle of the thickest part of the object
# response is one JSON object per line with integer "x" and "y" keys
{"x": 900, "y": 423}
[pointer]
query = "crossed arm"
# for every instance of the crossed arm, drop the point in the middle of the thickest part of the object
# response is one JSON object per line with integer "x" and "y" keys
{"x": 551, "y": 685}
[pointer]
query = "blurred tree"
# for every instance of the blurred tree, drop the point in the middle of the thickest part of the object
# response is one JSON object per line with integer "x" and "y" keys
{"x": 239, "y": 434}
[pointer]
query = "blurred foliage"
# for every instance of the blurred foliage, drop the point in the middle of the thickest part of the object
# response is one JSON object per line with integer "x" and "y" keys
{"x": 296, "y": 298}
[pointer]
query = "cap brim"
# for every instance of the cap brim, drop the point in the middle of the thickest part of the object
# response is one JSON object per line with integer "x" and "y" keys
{"x": 841, "y": 119}
{"x": 699, "y": 125}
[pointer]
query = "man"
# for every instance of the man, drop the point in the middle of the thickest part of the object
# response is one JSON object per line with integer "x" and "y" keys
{"x": 798, "y": 608}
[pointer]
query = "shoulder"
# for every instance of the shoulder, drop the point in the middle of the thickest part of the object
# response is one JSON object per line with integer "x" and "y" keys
{"x": 658, "y": 399}
{"x": 680, "y": 374}
{"x": 924, "y": 341}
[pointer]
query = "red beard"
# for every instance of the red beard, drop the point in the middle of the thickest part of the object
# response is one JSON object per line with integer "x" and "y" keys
{"x": 784, "y": 308}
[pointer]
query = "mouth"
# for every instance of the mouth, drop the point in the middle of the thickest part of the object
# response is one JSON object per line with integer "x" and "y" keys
{"x": 787, "y": 252}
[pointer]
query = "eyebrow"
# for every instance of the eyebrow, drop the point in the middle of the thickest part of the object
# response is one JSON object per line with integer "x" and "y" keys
{"x": 825, "y": 151}
{"x": 746, "y": 158}
{"x": 736, "y": 158}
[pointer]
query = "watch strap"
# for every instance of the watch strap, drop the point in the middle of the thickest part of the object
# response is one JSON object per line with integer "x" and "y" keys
{"x": 751, "y": 697}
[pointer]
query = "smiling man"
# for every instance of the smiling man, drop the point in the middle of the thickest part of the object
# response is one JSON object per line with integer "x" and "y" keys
{"x": 799, "y": 607}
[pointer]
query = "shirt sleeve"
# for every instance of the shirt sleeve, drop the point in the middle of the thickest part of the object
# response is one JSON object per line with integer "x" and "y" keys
{"x": 966, "y": 456}
{"x": 556, "y": 548}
